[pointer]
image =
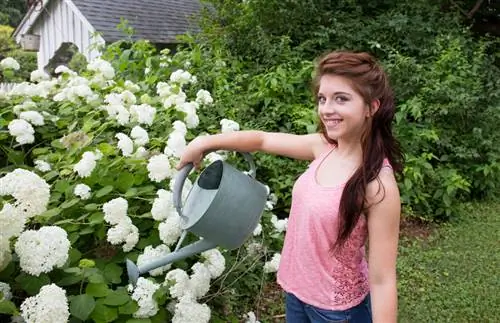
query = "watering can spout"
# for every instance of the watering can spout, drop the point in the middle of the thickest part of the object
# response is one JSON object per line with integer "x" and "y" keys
{"x": 195, "y": 248}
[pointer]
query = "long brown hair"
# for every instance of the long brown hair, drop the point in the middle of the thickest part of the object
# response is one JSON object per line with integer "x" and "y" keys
{"x": 370, "y": 81}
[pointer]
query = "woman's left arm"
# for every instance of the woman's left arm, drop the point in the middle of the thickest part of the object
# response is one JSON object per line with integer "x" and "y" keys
{"x": 383, "y": 234}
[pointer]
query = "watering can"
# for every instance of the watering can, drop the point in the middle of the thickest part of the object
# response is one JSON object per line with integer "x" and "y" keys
{"x": 223, "y": 207}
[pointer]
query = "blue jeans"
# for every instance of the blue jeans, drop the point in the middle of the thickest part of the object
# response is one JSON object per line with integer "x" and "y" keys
{"x": 300, "y": 312}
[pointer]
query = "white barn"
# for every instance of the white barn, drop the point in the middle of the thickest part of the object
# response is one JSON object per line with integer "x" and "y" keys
{"x": 49, "y": 24}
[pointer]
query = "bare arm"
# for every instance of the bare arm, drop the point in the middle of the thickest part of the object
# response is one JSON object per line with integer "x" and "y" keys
{"x": 383, "y": 229}
{"x": 303, "y": 147}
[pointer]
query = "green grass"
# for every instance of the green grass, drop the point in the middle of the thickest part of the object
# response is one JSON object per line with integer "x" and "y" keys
{"x": 452, "y": 276}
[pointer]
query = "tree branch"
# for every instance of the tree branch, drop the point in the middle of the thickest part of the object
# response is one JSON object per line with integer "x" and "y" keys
{"x": 475, "y": 8}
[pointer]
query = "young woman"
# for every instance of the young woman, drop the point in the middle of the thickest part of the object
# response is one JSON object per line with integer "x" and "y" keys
{"x": 347, "y": 197}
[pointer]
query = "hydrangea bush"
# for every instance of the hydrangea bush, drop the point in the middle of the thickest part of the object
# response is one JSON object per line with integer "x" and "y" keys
{"x": 87, "y": 163}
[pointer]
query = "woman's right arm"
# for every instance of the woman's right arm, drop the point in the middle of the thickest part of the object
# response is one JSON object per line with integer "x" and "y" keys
{"x": 304, "y": 147}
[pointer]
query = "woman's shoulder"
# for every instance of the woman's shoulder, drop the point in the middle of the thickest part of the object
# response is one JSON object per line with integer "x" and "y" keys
{"x": 320, "y": 145}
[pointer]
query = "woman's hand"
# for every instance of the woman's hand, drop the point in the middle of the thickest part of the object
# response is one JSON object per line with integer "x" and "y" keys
{"x": 193, "y": 153}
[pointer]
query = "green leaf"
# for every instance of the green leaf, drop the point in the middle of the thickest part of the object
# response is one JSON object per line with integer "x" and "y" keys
{"x": 139, "y": 321}
{"x": 32, "y": 284}
{"x": 81, "y": 306}
{"x": 125, "y": 181}
{"x": 106, "y": 148}
{"x": 50, "y": 213}
{"x": 103, "y": 313}
{"x": 7, "y": 307}
{"x": 69, "y": 280}
{"x": 96, "y": 218}
{"x": 96, "y": 278}
{"x": 91, "y": 207}
{"x": 68, "y": 204}
{"x": 97, "y": 290}
{"x": 61, "y": 186}
{"x": 104, "y": 191}
{"x": 116, "y": 298}
{"x": 129, "y": 308}
{"x": 113, "y": 273}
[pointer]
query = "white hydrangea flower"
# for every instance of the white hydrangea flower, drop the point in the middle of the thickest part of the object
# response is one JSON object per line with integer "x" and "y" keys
{"x": 163, "y": 89}
{"x": 128, "y": 98}
{"x": 199, "y": 282}
{"x": 162, "y": 205}
{"x": 5, "y": 254}
{"x": 254, "y": 248}
{"x": 115, "y": 211}
{"x": 141, "y": 152}
{"x": 124, "y": 232}
{"x": 139, "y": 135}
{"x": 50, "y": 305}
{"x": 118, "y": 112}
{"x": 181, "y": 77}
{"x": 113, "y": 99}
{"x": 251, "y": 318}
{"x": 179, "y": 126}
{"x": 125, "y": 144}
{"x": 176, "y": 143}
{"x": 204, "y": 97}
{"x": 12, "y": 221}
{"x": 82, "y": 191}
{"x": 31, "y": 192}
{"x": 9, "y": 63}
{"x": 62, "y": 69}
{"x": 228, "y": 125}
{"x": 215, "y": 262}
{"x": 22, "y": 130}
{"x": 272, "y": 199}
{"x": 87, "y": 164}
{"x": 159, "y": 168}
{"x": 170, "y": 229}
{"x": 189, "y": 311}
{"x": 143, "y": 114}
{"x": 39, "y": 75}
{"x": 33, "y": 117}
{"x": 192, "y": 120}
{"x": 131, "y": 86}
{"x": 41, "y": 250}
{"x": 101, "y": 66}
{"x": 143, "y": 295}
{"x": 6, "y": 292}
{"x": 151, "y": 253}
{"x": 42, "y": 166}
{"x": 175, "y": 100}
{"x": 25, "y": 106}
{"x": 178, "y": 280}
{"x": 272, "y": 265}
{"x": 258, "y": 230}
{"x": 279, "y": 225}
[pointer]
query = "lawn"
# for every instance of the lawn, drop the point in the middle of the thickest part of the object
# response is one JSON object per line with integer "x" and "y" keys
{"x": 446, "y": 274}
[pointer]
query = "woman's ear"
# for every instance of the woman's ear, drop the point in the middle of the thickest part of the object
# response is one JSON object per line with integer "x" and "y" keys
{"x": 373, "y": 108}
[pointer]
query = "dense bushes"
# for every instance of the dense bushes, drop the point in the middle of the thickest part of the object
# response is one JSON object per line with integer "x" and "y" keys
{"x": 445, "y": 80}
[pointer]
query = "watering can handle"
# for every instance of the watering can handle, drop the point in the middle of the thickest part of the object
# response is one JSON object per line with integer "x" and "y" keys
{"x": 181, "y": 176}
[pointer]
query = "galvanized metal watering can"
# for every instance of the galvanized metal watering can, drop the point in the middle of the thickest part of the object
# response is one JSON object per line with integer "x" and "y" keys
{"x": 223, "y": 207}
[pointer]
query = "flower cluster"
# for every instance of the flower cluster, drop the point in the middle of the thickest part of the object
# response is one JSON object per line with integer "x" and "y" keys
{"x": 9, "y": 63}
{"x": 42, "y": 250}
{"x": 143, "y": 295}
{"x": 87, "y": 164}
{"x": 123, "y": 230}
{"x": 48, "y": 306}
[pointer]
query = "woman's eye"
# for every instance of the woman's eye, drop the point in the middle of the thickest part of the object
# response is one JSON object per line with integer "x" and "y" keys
{"x": 321, "y": 99}
{"x": 341, "y": 99}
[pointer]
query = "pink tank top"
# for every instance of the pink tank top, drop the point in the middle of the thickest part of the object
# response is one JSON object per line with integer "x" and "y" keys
{"x": 308, "y": 268}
